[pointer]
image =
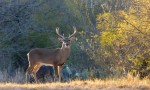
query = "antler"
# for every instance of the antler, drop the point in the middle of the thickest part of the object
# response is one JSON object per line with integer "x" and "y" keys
{"x": 75, "y": 30}
{"x": 57, "y": 31}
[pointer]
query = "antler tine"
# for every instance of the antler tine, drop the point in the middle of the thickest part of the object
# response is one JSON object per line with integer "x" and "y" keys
{"x": 75, "y": 30}
{"x": 57, "y": 31}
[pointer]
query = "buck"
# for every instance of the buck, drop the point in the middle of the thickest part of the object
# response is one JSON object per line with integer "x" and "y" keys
{"x": 53, "y": 57}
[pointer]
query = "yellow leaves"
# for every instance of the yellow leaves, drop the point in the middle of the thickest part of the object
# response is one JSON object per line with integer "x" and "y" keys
{"x": 126, "y": 27}
{"x": 111, "y": 38}
{"x": 118, "y": 27}
{"x": 106, "y": 38}
{"x": 104, "y": 16}
{"x": 125, "y": 35}
{"x": 105, "y": 21}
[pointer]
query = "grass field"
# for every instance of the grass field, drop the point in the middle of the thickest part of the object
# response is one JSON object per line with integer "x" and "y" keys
{"x": 128, "y": 83}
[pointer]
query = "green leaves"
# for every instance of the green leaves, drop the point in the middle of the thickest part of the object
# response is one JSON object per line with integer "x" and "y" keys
{"x": 39, "y": 39}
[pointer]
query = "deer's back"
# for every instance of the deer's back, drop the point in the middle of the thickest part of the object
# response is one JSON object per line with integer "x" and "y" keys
{"x": 43, "y": 55}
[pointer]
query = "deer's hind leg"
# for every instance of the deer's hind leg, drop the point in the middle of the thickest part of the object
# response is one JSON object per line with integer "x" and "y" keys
{"x": 28, "y": 72}
{"x": 35, "y": 69}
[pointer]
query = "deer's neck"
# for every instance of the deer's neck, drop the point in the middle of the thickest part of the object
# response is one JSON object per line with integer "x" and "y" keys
{"x": 65, "y": 51}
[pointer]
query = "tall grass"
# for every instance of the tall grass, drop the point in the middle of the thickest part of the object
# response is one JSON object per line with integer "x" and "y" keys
{"x": 19, "y": 77}
{"x": 125, "y": 83}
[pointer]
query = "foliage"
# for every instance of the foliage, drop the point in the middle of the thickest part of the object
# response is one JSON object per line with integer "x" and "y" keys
{"x": 125, "y": 38}
{"x": 27, "y": 24}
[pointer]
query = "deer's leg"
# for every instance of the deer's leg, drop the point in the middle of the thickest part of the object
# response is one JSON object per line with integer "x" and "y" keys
{"x": 28, "y": 72}
{"x": 55, "y": 73}
{"x": 44, "y": 78}
{"x": 52, "y": 76}
{"x": 36, "y": 68}
{"x": 59, "y": 73}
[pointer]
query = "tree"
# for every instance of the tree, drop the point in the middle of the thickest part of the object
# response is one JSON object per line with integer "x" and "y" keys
{"x": 125, "y": 37}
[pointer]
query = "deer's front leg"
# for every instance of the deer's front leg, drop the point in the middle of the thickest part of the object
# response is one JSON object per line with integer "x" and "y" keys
{"x": 59, "y": 73}
{"x": 55, "y": 73}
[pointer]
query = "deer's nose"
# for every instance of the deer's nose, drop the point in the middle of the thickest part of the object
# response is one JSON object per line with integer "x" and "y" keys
{"x": 67, "y": 44}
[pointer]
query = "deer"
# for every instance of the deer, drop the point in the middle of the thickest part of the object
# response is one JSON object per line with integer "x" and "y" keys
{"x": 50, "y": 57}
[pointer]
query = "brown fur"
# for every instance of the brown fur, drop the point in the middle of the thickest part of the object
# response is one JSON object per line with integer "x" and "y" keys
{"x": 55, "y": 57}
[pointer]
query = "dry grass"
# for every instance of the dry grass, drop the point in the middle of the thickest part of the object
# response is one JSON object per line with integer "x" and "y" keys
{"x": 128, "y": 83}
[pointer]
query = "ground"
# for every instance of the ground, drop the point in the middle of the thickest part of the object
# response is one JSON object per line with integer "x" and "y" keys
{"x": 94, "y": 84}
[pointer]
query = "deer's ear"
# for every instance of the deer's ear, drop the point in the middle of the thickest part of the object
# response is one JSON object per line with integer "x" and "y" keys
{"x": 60, "y": 39}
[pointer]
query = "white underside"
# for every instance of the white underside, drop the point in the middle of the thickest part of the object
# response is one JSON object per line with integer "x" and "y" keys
{"x": 46, "y": 64}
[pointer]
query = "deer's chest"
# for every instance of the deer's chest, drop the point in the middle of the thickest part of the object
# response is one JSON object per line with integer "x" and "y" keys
{"x": 60, "y": 62}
